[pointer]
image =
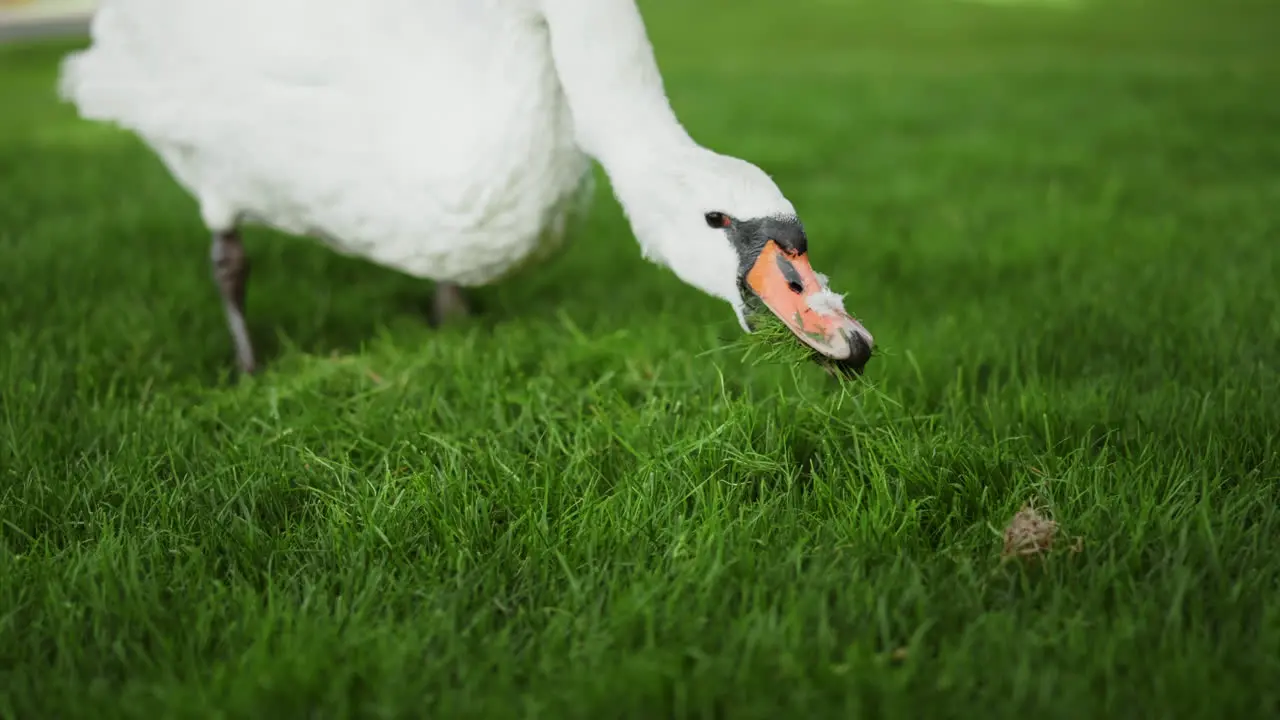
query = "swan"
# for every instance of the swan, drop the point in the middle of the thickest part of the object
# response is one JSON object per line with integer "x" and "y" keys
{"x": 451, "y": 140}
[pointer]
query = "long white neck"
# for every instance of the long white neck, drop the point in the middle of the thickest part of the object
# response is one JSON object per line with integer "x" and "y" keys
{"x": 623, "y": 119}
{"x": 611, "y": 80}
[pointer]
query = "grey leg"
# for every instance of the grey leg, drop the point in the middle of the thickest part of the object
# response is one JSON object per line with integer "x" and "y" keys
{"x": 231, "y": 272}
{"x": 449, "y": 303}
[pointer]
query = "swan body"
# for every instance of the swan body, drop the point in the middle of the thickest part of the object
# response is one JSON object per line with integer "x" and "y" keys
{"x": 451, "y": 140}
{"x": 314, "y": 121}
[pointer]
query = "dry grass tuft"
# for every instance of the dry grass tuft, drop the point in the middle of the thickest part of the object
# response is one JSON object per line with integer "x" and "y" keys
{"x": 1029, "y": 533}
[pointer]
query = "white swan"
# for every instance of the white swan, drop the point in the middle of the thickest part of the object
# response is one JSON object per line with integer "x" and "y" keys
{"x": 448, "y": 139}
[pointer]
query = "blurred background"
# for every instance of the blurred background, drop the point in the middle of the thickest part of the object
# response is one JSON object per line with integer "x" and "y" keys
{"x": 33, "y": 18}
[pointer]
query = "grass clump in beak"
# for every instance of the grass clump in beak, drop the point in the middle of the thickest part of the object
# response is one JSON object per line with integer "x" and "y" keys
{"x": 772, "y": 342}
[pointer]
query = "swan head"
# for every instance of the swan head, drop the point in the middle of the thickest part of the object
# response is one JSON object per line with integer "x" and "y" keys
{"x": 722, "y": 225}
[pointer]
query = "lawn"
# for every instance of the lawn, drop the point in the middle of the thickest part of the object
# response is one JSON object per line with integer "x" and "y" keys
{"x": 1061, "y": 222}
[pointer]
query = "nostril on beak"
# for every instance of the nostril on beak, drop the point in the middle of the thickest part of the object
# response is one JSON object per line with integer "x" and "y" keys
{"x": 795, "y": 287}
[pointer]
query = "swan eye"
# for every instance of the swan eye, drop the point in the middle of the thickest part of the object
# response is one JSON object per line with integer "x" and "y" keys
{"x": 717, "y": 220}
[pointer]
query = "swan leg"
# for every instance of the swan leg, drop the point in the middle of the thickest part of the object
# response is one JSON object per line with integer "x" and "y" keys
{"x": 449, "y": 302}
{"x": 231, "y": 272}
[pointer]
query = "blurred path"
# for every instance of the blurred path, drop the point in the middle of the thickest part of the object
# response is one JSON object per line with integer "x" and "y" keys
{"x": 26, "y": 19}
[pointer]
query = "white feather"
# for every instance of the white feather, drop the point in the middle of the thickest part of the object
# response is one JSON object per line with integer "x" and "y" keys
{"x": 826, "y": 302}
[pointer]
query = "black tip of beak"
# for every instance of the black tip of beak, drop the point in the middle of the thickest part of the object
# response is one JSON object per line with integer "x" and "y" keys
{"x": 859, "y": 355}
{"x": 859, "y": 350}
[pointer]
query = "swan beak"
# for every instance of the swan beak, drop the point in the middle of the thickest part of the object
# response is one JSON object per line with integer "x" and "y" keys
{"x": 786, "y": 283}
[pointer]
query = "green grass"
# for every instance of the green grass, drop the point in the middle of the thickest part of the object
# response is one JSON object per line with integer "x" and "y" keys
{"x": 1062, "y": 221}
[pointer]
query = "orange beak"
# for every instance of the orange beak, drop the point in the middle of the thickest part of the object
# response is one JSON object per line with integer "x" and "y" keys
{"x": 788, "y": 286}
